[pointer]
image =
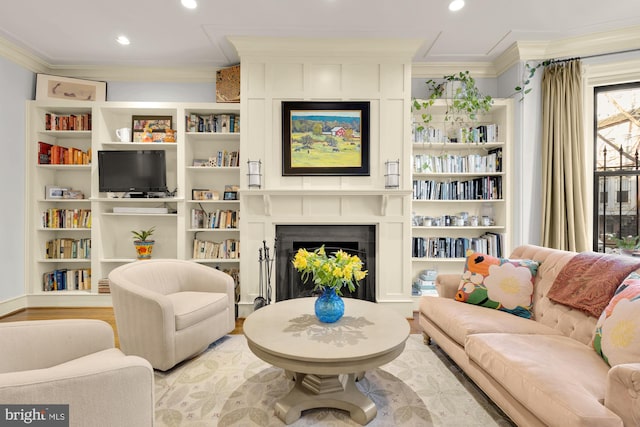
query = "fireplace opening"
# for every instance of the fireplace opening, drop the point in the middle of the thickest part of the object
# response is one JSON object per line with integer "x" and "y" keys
{"x": 354, "y": 239}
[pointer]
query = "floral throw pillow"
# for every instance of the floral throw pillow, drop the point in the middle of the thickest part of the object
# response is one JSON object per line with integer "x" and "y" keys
{"x": 617, "y": 337}
{"x": 499, "y": 283}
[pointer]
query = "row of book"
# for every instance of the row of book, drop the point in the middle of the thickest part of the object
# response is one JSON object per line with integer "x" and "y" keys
{"x": 457, "y": 247}
{"x": 218, "y": 219}
{"x": 215, "y": 123}
{"x": 478, "y": 134}
{"x": 54, "y": 121}
{"x": 67, "y": 248}
{"x": 484, "y": 188}
{"x": 227, "y": 249}
{"x": 225, "y": 158}
{"x": 104, "y": 286}
{"x": 66, "y": 218}
{"x": 451, "y": 163}
{"x": 49, "y": 154}
{"x": 67, "y": 280}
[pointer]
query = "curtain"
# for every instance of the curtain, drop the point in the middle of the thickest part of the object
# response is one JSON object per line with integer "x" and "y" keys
{"x": 564, "y": 224}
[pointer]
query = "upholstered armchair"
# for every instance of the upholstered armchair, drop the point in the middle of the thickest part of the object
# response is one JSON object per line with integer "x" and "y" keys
{"x": 74, "y": 362}
{"x": 168, "y": 310}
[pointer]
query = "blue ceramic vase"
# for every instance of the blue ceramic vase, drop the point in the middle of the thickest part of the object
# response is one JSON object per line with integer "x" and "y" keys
{"x": 329, "y": 306}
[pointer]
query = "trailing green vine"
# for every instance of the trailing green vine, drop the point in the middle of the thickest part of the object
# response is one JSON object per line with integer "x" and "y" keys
{"x": 464, "y": 104}
{"x": 529, "y": 72}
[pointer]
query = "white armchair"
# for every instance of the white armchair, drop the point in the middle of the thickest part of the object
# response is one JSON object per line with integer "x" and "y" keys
{"x": 168, "y": 310}
{"x": 74, "y": 362}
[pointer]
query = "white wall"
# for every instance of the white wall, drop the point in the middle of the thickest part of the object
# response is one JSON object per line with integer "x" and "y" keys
{"x": 16, "y": 86}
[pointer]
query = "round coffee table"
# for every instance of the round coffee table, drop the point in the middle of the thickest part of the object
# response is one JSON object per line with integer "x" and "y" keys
{"x": 325, "y": 359}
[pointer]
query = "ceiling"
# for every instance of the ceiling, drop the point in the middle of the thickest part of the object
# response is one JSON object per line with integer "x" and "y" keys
{"x": 65, "y": 33}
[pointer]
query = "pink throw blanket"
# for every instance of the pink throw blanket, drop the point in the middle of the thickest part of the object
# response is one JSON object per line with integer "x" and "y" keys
{"x": 588, "y": 281}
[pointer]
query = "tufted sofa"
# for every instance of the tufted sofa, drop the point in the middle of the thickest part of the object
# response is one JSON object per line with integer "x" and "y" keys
{"x": 541, "y": 372}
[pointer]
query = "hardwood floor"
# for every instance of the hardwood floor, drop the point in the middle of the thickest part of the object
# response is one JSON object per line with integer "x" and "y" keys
{"x": 106, "y": 314}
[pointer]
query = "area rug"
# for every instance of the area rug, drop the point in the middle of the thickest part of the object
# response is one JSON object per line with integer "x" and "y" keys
{"x": 228, "y": 386}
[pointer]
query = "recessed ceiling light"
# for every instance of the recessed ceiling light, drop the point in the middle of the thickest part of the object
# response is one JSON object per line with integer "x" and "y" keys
{"x": 123, "y": 40}
{"x": 456, "y": 5}
{"x": 189, "y": 4}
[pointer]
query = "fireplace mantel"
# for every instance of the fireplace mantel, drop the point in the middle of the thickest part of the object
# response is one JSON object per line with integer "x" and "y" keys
{"x": 268, "y": 195}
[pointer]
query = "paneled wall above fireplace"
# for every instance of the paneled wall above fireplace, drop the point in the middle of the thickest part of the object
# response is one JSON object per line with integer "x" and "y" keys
{"x": 277, "y": 70}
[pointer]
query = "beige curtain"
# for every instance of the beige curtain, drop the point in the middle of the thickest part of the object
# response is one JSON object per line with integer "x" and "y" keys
{"x": 564, "y": 224}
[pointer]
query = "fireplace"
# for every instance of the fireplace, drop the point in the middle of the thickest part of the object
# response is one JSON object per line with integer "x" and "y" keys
{"x": 354, "y": 239}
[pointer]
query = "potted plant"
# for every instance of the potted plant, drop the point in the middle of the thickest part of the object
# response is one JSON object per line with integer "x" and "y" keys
{"x": 143, "y": 244}
{"x": 628, "y": 244}
{"x": 330, "y": 274}
{"x": 463, "y": 101}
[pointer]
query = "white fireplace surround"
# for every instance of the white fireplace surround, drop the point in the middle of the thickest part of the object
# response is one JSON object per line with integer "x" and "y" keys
{"x": 274, "y": 70}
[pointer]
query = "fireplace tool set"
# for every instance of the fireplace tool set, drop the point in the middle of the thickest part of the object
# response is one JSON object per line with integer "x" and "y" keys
{"x": 265, "y": 263}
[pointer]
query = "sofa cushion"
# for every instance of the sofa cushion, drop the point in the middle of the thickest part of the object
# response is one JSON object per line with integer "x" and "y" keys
{"x": 571, "y": 286}
{"x": 459, "y": 320}
{"x": 190, "y": 308}
{"x": 617, "y": 336}
{"x": 555, "y": 377}
{"x": 499, "y": 283}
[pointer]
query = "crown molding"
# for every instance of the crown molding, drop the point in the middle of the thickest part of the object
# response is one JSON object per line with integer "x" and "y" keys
{"x": 139, "y": 74}
{"x": 22, "y": 57}
{"x": 595, "y": 44}
{"x": 438, "y": 69}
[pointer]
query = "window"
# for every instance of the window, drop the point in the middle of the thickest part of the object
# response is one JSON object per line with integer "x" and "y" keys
{"x": 616, "y": 166}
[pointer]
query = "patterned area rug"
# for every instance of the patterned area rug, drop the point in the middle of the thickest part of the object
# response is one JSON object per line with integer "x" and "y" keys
{"x": 228, "y": 386}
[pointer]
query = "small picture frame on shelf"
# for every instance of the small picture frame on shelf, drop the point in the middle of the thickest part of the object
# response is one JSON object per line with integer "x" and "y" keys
{"x": 204, "y": 194}
{"x": 201, "y": 162}
{"x": 151, "y": 128}
{"x": 55, "y": 192}
{"x": 230, "y": 195}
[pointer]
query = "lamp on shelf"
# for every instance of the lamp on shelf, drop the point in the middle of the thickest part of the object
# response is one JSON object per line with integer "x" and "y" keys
{"x": 255, "y": 173}
{"x": 392, "y": 176}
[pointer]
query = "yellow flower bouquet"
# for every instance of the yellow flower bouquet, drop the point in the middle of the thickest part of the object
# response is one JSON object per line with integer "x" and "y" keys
{"x": 334, "y": 271}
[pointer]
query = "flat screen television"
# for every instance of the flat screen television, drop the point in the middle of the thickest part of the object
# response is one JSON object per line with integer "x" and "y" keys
{"x": 135, "y": 171}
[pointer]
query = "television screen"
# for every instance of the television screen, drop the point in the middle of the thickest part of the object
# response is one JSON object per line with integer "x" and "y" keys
{"x": 133, "y": 171}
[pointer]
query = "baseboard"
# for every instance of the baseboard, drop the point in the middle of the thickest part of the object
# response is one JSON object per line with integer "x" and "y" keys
{"x": 13, "y": 305}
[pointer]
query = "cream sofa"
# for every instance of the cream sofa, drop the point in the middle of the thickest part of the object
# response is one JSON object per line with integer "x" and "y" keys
{"x": 74, "y": 362}
{"x": 539, "y": 372}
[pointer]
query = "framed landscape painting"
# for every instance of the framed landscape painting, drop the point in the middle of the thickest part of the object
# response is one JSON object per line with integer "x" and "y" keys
{"x": 325, "y": 138}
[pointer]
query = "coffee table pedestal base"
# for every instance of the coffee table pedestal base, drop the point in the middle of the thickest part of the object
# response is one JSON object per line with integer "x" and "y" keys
{"x": 326, "y": 391}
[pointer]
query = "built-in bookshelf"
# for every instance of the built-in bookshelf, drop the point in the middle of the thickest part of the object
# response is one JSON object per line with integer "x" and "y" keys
{"x": 460, "y": 190}
{"x": 77, "y": 235}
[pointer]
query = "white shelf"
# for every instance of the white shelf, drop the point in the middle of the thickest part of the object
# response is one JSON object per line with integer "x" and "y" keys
{"x": 79, "y": 134}
{"x": 65, "y": 260}
{"x": 446, "y": 260}
{"x": 459, "y": 201}
{"x": 450, "y": 146}
{"x": 456, "y": 174}
{"x": 173, "y": 215}
{"x": 66, "y": 167}
{"x": 215, "y": 230}
{"x": 468, "y": 227}
{"x": 216, "y": 260}
{"x": 63, "y": 229}
{"x": 140, "y": 145}
{"x": 213, "y": 168}
{"x": 213, "y": 135}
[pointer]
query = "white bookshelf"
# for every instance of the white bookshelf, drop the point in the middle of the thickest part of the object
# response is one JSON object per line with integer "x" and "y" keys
{"x": 498, "y": 209}
{"x": 110, "y": 233}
